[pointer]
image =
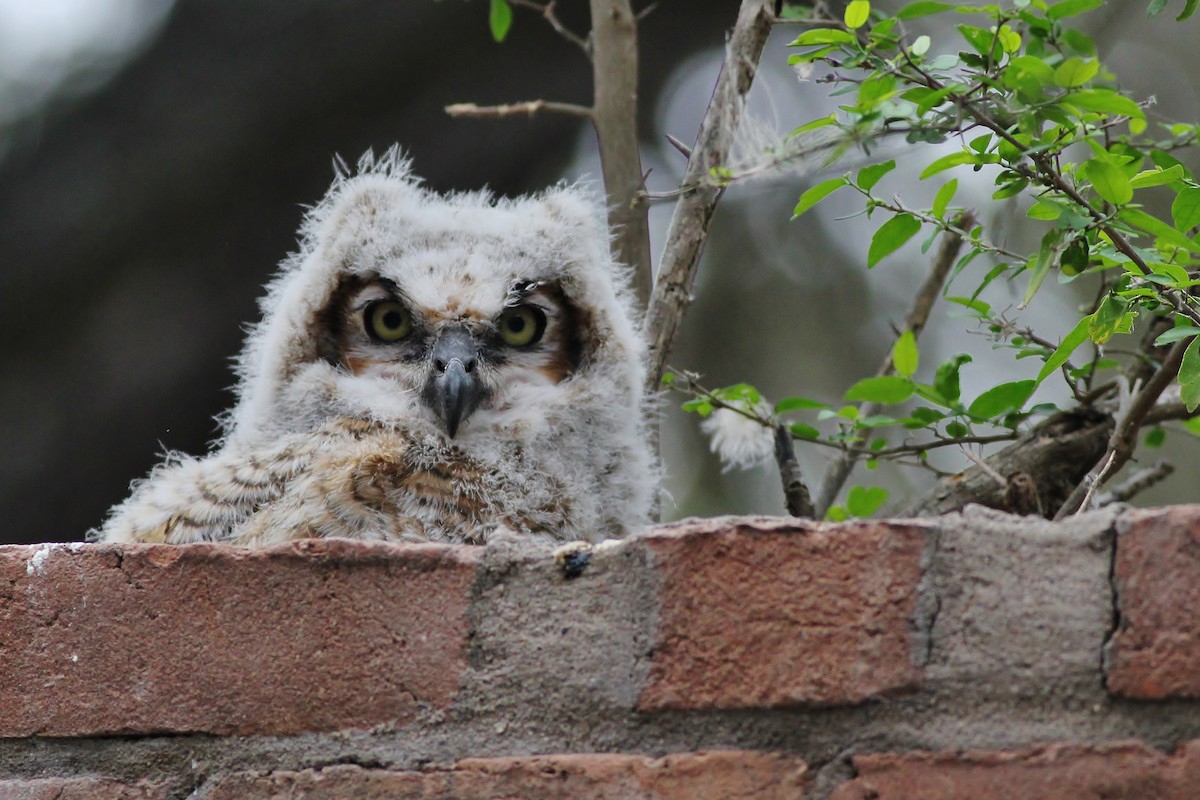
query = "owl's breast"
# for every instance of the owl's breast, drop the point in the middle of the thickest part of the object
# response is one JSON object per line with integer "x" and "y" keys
{"x": 432, "y": 491}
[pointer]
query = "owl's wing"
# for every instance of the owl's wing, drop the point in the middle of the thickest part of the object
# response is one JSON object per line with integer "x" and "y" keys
{"x": 203, "y": 499}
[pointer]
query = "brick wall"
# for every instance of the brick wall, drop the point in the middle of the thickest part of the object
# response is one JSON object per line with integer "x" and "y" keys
{"x": 970, "y": 656}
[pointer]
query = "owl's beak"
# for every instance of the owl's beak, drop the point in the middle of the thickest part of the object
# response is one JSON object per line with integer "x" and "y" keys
{"x": 454, "y": 390}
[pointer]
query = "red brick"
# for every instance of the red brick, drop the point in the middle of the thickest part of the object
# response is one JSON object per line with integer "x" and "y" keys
{"x": 1155, "y": 652}
{"x": 770, "y": 612}
{"x": 726, "y": 775}
{"x": 1116, "y": 771}
{"x": 83, "y": 789}
{"x": 310, "y": 636}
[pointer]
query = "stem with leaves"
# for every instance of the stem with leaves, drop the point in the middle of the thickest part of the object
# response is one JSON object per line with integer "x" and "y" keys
{"x": 914, "y": 321}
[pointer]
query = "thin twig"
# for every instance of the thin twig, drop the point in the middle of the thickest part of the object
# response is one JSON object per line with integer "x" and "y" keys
{"x": 688, "y": 383}
{"x": 547, "y": 12}
{"x": 680, "y": 146}
{"x": 795, "y": 491}
{"x": 693, "y": 213}
{"x": 918, "y": 314}
{"x": 526, "y": 109}
{"x": 1121, "y": 442}
{"x": 1136, "y": 483}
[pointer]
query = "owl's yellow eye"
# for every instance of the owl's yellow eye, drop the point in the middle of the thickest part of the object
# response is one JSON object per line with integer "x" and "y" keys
{"x": 388, "y": 321}
{"x": 521, "y": 326}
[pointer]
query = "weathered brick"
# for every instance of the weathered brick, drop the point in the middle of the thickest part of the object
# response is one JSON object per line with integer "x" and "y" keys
{"x": 83, "y": 789}
{"x": 310, "y": 636}
{"x": 773, "y": 612}
{"x": 1155, "y": 652}
{"x": 1115, "y": 771}
{"x": 724, "y": 775}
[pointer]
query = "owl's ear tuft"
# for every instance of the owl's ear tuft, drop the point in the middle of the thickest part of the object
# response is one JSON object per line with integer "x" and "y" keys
{"x": 392, "y": 163}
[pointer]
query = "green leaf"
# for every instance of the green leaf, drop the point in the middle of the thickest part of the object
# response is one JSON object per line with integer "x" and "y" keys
{"x": 1074, "y": 258}
{"x": 920, "y": 45}
{"x": 1069, "y": 8}
{"x": 816, "y": 123}
{"x": 836, "y": 514}
{"x": 1077, "y": 336}
{"x": 1002, "y": 399}
{"x": 1189, "y": 376}
{"x": 1155, "y": 7}
{"x": 823, "y": 36}
{"x": 864, "y": 501}
{"x": 869, "y": 176}
{"x": 956, "y": 159}
{"x": 1148, "y": 222}
{"x": 1185, "y": 211}
{"x": 801, "y": 431}
{"x": 796, "y": 403}
{"x": 1044, "y": 210}
{"x": 1155, "y": 437}
{"x": 1039, "y": 265}
{"x": 922, "y": 8}
{"x": 816, "y": 194}
{"x": 1176, "y": 333}
{"x": 891, "y": 236}
{"x": 500, "y": 18}
{"x": 1075, "y": 72}
{"x": 700, "y": 405}
{"x": 1189, "y": 8}
{"x": 886, "y": 389}
{"x": 857, "y": 13}
{"x": 905, "y": 355}
{"x": 1108, "y": 180}
{"x": 1104, "y": 101}
{"x": 1157, "y": 177}
{"x": 1109, "y": 319}
{"x": 943, "y": 197}
{"x": 946, "y": 380}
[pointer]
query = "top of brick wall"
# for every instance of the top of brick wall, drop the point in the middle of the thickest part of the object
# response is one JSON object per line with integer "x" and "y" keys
{"x": 734, "y": 614}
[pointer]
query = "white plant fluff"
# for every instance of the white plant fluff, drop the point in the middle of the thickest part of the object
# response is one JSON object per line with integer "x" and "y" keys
{"x": 740, "y": 441}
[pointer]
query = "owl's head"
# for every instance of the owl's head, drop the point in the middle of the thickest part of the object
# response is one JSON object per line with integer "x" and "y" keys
{"x": 460, "y": 316}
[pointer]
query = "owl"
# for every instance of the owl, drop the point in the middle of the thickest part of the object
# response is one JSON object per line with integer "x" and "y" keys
{"x": 427, "y": 368}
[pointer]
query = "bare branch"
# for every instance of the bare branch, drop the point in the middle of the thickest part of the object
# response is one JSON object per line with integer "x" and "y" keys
{"x": 1053, "y": 457}
{"x": 615, "y": 106}
{"x": 524, "y": 109}
{"x": 918, "y": 314}
{"x": 795, "y": 491}
{"x": 547, "y": 11}
{"x": 1136, "y": 483}
{"x": 693, "y": 213}
{"x": 1121, "y": 443}
{"x": 680, "y": 146}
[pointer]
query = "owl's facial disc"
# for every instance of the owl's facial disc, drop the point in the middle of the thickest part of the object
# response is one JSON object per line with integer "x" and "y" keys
{"x": 454, "y": 389}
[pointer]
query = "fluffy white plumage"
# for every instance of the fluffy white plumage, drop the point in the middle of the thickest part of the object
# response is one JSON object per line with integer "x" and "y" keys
{"x": 336, "y": 433}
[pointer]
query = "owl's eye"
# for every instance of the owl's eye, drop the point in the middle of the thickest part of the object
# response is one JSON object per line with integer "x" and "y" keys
{"x": 521, "y": 326}
{"x": 388, "y": 321}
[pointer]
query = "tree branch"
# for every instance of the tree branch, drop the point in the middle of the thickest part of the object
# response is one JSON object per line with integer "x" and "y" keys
{"x": 918, "y": 314}
{"x": 1137, "y": 483}
{"x": 526, "y": 109}
{"x": 614, "y": 115}
{"x": 795, "y": 491}
{"x": 547, "y": 11}
{"x": 1047, "y": 461}
{"x": 1121, "y": 442}
{"x": 693, "y": 213}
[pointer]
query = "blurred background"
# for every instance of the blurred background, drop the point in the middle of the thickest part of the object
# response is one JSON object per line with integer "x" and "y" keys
{"x": 155, "y": 156}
